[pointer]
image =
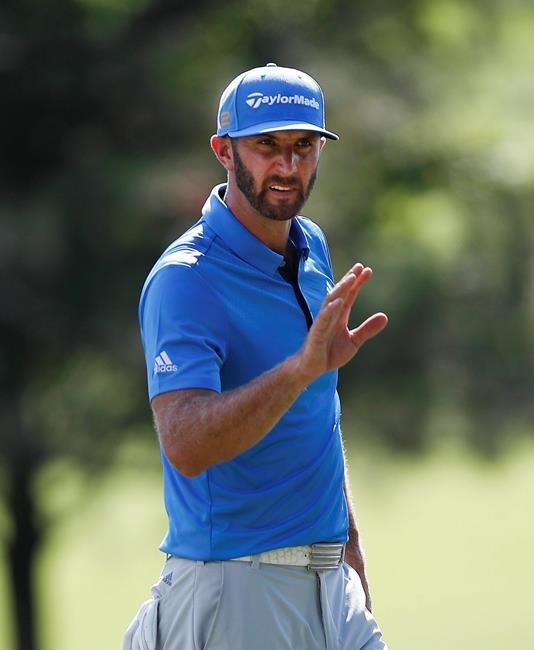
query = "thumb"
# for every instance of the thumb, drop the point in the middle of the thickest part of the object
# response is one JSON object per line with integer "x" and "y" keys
{"x": 368, "y": 329}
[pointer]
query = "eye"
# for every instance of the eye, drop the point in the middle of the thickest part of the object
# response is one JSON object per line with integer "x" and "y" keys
{"x": 266, "y": 141}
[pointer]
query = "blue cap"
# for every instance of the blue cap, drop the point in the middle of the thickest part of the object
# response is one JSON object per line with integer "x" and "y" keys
{"x": 272, "y": 98}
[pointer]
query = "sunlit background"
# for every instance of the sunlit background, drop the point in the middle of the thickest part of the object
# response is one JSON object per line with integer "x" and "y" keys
{"x": 107, "y": 108}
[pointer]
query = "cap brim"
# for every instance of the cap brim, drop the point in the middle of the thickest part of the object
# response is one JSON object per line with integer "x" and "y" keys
{"x": 270, "y": 127}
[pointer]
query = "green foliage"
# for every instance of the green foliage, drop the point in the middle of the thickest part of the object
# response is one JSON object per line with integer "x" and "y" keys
{"x": 110, "y": 106}
{"x": 431, "y": 183}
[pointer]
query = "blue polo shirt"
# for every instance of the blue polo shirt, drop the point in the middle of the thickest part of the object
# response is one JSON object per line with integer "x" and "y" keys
{"x": 215, "y": 313}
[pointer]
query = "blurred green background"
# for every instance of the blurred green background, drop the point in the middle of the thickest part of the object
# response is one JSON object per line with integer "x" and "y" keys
{"x": 107, "y": 108}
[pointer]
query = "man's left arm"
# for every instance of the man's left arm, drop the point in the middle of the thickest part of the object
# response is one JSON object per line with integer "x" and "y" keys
{"x": 353, "y": 553}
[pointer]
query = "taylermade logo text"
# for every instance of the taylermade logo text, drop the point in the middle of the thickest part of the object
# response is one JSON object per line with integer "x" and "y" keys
{"x": 255, "y": 99}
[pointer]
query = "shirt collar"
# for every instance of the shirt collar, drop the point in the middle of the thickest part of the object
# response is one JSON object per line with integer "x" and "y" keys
{"x": 242, "y": 242}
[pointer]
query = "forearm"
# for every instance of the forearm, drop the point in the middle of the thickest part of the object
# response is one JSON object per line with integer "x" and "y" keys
{"x": 201, "y": 428}
{"x": 354, "y": 553}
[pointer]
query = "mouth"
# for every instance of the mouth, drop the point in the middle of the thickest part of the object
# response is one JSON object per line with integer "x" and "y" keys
{"x": 281, "y": 189}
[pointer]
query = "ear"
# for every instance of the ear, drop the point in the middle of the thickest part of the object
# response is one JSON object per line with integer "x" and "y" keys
{"x": 322, "y": 143}
{"x": 222, "y": 149}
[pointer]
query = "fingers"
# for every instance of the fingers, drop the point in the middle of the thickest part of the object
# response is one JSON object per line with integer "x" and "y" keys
{"x": 362, "y": 273}
{"x": 354, "y": 289}
{"x": 349, "y": 285}
{"x": 348, "y": 289}
{"x": 356, "y": 269}
{"x": 330, "y": 344}
{"x": 327, "y": 319}
{"x": 368, "y": 329}
{"x": 340, "y": 301}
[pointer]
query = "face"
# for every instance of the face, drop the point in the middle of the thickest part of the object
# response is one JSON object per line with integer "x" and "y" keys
{"x": 276, "y": 172}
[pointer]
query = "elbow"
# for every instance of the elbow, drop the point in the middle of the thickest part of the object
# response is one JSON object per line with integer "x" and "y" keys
{"x": 189, "y": 469}
{"x": 184, "y": 460}
{"x": 184, "y": 443}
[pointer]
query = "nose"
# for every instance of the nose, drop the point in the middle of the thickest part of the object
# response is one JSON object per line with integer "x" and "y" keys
{"x": 287, "y": 161}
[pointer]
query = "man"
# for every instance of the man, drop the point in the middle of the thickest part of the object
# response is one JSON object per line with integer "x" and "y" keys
{"x": 243, "y": 331}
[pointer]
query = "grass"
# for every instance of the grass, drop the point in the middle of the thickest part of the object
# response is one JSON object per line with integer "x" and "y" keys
{"x": 449, "y": 542}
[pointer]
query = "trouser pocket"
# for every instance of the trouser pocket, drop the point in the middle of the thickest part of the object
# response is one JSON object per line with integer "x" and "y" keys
{"x": 184, "y": 609}
{"x": 143, "y": 630}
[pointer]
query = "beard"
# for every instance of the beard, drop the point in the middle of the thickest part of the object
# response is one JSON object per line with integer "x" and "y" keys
{"x": 282, "y": 210}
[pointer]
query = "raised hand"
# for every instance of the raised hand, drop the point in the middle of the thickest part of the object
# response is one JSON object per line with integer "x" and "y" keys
{"x": 330, "y": 344}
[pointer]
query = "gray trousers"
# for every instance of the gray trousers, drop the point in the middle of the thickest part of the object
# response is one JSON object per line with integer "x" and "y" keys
{"x": 252, "y": 606}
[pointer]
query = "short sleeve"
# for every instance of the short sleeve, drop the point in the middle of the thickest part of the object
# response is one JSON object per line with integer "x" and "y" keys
{"x": 183, "y": 331}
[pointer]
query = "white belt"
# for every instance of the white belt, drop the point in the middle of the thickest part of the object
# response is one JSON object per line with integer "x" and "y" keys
{"x": 315, "y": 557}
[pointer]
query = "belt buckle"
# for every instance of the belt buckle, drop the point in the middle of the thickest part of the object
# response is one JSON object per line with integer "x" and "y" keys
{"x": 325, "y": 556}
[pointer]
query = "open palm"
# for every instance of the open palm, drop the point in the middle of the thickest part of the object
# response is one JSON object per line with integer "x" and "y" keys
{"x": 330, "y": 343}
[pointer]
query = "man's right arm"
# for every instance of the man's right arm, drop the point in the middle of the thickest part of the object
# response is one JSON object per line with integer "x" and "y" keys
{"x": 199, "y": 428}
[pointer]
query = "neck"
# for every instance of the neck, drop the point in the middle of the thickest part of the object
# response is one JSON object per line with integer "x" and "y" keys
{"x": 274, "y": 234}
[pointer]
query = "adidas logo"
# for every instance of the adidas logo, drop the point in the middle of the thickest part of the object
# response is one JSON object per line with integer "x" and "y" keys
{"x": 255, "y": 99}
{"x": 163, "y": 363}
{"x": 168, "y": 579}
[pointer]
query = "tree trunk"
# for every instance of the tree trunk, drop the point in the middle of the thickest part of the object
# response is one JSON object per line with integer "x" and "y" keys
{"x": 22, "y": 547}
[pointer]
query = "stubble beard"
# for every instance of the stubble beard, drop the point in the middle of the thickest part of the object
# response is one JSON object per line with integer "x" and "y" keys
{"x": 282, "y": 210}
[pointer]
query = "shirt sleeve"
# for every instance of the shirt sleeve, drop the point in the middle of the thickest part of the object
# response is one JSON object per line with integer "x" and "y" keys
{"x": 183, "y": 330}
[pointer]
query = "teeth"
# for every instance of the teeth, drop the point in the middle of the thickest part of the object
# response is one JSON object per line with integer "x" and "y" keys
{"x": 279, "y": 187}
